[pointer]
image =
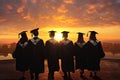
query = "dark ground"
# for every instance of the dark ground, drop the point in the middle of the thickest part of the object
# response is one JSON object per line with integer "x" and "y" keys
{"x": 110, "y": 70}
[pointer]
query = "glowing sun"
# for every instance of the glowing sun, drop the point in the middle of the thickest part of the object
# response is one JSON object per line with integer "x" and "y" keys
{"x": 58, "y": 36}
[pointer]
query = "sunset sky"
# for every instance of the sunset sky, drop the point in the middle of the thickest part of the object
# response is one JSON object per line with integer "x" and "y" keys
{"x": 75, "y": 16}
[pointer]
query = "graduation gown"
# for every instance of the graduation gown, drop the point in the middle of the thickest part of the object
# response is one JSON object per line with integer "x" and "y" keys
{"x": 80, "y": 55}
{"x": 36, "y": 55}
{"x": 66, "y": 55}
{"x": 51, "y": 51}
{"x": 95, "y": 53}
{"x": 21, "y": 56}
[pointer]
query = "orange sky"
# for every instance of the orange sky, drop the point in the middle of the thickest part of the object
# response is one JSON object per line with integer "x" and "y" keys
{"x": 108, "y": 35}
{"x": 75, "y": 16}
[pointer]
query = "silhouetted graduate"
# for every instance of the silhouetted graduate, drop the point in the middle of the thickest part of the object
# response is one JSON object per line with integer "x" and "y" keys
{"x": 80, "y": 54}
{"x": 36, "y": 54}
{"x": 51, "y": 51}
{"x": 66, "y": 52}
{"x": 95, "y": 53}
{"x": 20, "y": 54}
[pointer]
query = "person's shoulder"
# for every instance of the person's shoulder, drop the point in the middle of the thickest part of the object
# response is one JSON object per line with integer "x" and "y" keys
{"x": 99, "y": 42}
{"x": 75, "y": 43}
{"x": 48, "y": 41}
{"x": 87, "y": 42}
{"x": 17, "y": 43}
{"x": 29, "y": 40}
{"x": 70, "y": 40}
{"x": 60, "y": 42}
{"x": 40, "y": 39}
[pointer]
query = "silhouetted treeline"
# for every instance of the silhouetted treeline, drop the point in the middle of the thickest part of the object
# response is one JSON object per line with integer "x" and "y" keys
{"x": 114, "y": 48}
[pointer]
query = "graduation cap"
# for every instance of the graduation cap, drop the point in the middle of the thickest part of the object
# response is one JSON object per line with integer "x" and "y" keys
{"x": 34, "y": 30}
{"x": 22, "y": 33}
{"x": 51, "y": 33}
{"x": 92, "y": 33}
{"x": 65, "y": 32}
{"x": 80, "y": 34}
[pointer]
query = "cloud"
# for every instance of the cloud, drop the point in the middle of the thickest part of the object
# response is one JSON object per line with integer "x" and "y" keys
{"x": 2, "y": 20}
{"x": 68, "y": 1}
{"x": 91, "y": 9}
{"x": 9, "y": 7}
{"x": 118, "y": 1}
{"x": 62, "y": 9}
{"x": 33, "y": 1}
{"x": 20, "y": 9}
{"x": 23, "y": 14}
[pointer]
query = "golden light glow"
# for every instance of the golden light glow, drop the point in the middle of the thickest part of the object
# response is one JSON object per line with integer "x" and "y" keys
{"x": 58, "y": 36}
{"x": 112, "y": 33}
{"x": 60, "y": 15}
{"x": 68, "y": 1}
{"x": 20, "y": 9}
{"x": 62, "y": 9}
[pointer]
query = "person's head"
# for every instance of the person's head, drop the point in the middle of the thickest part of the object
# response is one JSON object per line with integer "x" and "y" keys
{"x": 35, "y": 32}
{"x": 23, "y": 36}
{"x": 52, "y": 34}
{"x": 93, "y": 35}
{"x": 80, "y": 37}
{"x": 65, "y": 34}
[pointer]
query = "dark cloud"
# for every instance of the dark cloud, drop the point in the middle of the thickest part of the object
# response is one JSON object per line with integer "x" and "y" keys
{"x": 26, "y": 13}
{"x": 95, "y": 12}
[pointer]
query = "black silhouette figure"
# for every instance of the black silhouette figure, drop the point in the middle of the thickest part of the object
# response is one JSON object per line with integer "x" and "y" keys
{"x": 95, "y": 53}
{"x": 80, "y": 54}
{"x": 66, "y": 54}
{"x": 20, "y": 54}
{"x": 36, "y": 55}
{"x": 51, "y": 50}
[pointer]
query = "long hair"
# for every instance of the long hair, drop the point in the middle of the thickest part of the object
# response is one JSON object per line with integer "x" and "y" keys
{"x": 23, "y": 38}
